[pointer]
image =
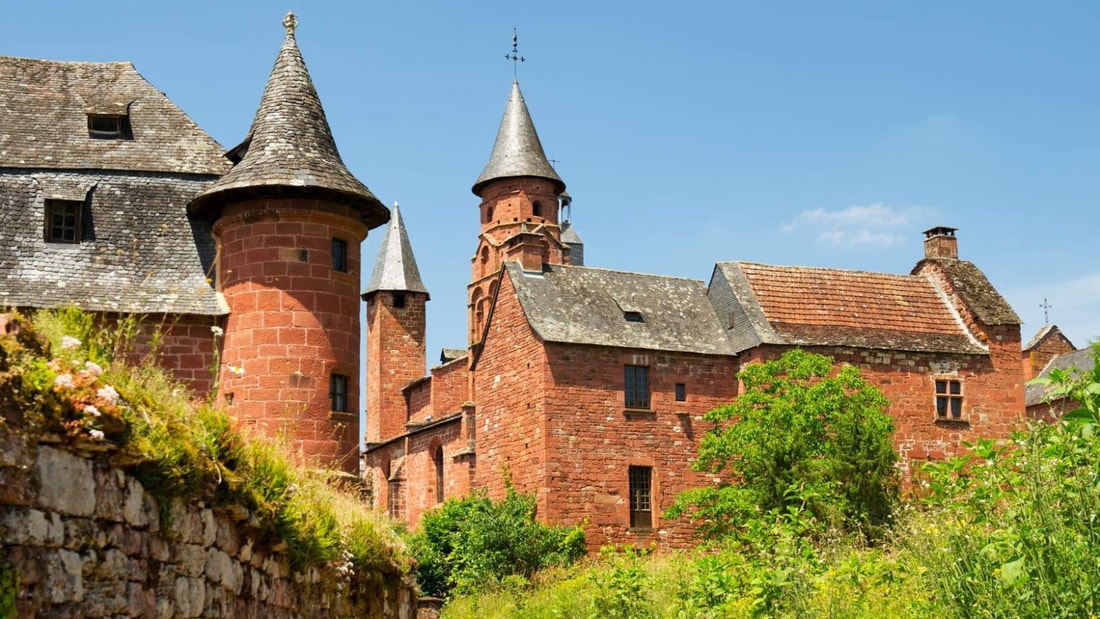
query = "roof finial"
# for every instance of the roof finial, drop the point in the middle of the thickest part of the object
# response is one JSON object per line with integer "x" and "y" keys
{"x": 290, "y": 22}
{"x": 1046, "y": 310}
{"x": 514, "y": 56}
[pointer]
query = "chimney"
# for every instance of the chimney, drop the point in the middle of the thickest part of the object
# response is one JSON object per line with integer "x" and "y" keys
{"x": 940, "y": 243}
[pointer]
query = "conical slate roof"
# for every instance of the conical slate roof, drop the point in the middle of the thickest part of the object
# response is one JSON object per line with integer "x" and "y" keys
{"x": 518, "y": 151}
{"x": 289, "y": 150}
{"x": 395, "y": 268}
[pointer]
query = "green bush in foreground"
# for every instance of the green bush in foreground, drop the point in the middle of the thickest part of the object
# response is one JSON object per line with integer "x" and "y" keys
{"x": 475, "y": 541}
{"x": 65, "y": 375}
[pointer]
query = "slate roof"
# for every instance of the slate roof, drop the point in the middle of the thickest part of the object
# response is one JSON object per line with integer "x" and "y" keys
{"x": 517, "y": 151}
{"x": 139, "y": 250}
{"x": 395, "y": 267}
{"x": 580, "y": 305}
{"x": 976, "y": 291}
{"x": 45, "y": 106}
{"x": 290, "y": 150}
{"x": 1047, "y": 330}
{"x": 1082, "y": 360}
{"x": 805, "y": 306}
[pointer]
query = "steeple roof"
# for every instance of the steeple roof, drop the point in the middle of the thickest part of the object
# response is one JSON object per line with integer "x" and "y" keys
{"x": 289, "y": 150}
{"x": 517, "y": 151}
{"x": 395, "y": 268}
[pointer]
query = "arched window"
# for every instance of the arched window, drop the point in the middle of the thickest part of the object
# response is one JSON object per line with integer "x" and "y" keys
{"x": 437, "y": 457}
{"x": 484, "y": 254}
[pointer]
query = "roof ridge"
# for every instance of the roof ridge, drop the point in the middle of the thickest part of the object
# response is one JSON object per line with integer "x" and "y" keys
{"x": 588, "y": 268}
{"x": 818, "y": 268}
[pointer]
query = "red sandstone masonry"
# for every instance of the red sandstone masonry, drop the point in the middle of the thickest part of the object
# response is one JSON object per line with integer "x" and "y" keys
{"x": 293, "y": 322}
{"x": 395, "y": 357}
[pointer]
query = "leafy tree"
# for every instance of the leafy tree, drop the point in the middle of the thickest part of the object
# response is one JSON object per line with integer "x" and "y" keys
{"x": 474, "y": 541}
{"x": 803, "y": 439}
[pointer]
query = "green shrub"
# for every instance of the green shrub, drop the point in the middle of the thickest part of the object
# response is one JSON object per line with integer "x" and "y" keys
{"x": 475, "y": 541}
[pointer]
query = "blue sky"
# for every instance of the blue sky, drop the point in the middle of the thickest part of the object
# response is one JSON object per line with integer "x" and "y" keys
{"x": 797, "y": 133}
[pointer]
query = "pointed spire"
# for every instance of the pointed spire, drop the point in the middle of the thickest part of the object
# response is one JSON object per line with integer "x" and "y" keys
{"x": 518, "y": 151}
{"x": 395, "y": 268}
{"x": 289, "y": 150}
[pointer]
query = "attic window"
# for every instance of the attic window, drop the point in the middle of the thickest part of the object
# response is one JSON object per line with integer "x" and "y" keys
{"x": 631, "y": 316}
{"x": 108, "y": 126}
{"x": 63, "y": 221}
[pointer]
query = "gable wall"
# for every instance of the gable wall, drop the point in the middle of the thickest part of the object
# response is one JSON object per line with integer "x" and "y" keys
{"x": 510, "y": 396}
{"x": 592, "y": 439}
{"x": 1039, "y": 356}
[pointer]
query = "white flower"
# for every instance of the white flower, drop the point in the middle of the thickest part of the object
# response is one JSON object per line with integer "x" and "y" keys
{"x": 108, "y": 394}
{"x": 63, "y": 381}
{"x": 96, "y": 434}
{"x": 91, "y": 410}
{"x": 236, "y": 369}
{"x": 217, "y": 331}
{"x": 93, "y": 368}
{"x": 69, "y": 342}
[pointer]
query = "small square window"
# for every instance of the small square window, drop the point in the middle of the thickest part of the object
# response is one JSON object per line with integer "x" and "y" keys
{"x": 340, "y": 255}
{"x": 63, "y": 221}
{"x": 399, "y": 300}
{"x": 641, "y": 497}
{"x": 681, "y": 392}
{"x": 633, "y": 317}
{"x": 636, "y": 386}
{"x": 949, "y": 399}
{"x": 338, "y": 392}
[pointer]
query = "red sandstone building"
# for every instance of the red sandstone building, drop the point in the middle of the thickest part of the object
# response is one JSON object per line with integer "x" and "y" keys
{"x": 584, "y": 386}
{"x": 587, "y": 386}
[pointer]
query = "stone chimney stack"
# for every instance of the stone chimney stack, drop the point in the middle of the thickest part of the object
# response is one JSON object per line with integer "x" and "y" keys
{"x": 940, "y": 243}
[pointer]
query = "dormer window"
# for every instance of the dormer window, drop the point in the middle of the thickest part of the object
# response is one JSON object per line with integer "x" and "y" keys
{"x": 63, "y": 221}
{"x": 108, "y": 126}
{"x": 633, "y": 317}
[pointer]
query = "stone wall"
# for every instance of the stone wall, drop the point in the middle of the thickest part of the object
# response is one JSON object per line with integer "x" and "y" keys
{"x": 85, "y": 539}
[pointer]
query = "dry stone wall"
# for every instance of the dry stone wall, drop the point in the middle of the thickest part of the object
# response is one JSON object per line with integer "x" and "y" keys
{"x": 83, "y": 539}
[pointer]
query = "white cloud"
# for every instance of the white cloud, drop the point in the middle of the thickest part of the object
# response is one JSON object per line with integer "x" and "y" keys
{"x": 872, "y": 225}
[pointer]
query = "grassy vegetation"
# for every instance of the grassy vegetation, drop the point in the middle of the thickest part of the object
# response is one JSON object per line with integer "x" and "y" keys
{"x": 1010, "y": 529}
{"x": 64, "y": 377}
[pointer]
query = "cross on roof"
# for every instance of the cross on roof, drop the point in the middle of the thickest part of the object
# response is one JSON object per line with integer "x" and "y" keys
{"x": 514, "y": 56}
{"x": 1046, "y": 311}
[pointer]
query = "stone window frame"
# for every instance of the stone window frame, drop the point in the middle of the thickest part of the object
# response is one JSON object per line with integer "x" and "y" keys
{"x": 636, "y": 387}
{"x": 338, "y": 392}
{"x": 64, "y": 209}
{"x": 948, "y": 398}
{"x": 640, "y": 496}
{"x": 680, "y": 392}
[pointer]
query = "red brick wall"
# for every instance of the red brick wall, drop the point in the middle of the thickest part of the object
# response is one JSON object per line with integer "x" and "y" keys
{"x": 450, "y": 387}
{"x": 395, "y": 357}
{"x": 419, "y": 397}
{"x": 992, "y": 394}
{"x": 1039, "y": 356}
{"x": 509, "y": 385}
{"x": 293, "y": 322}
{"x": 184, "y": 345}
{"x": 592, "y": 439}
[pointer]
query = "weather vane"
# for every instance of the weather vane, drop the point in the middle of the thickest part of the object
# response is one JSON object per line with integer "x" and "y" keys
{"x": 290, "y": 22}
{"x": 514, "y": 56}
{"x": 1046, "y": 311}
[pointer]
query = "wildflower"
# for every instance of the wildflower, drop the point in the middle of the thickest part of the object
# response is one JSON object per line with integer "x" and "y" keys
{"x": 63, "y": 381}
{"x": 108, "y": 394}
{"x": 96, "y": 434}
{"x": 69, "y": 342}
{"x": 91, "y": 410}
{"x": 236, "y": 369}
{"x": 217, "y": 331}
{"x": 93, "y": 368}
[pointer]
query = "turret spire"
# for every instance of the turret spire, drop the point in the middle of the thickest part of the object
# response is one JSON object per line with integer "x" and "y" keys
{"x": 517, "y": 151}
{"x": 289, "y": 150}
{"x": 395, "y": 268}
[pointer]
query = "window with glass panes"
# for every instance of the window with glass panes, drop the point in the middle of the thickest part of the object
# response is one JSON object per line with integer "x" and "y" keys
{"x": 636, "y": 386}
{"x": 338, "y": 392}
{"x": 641, "y": 497}
{"x": 949, "y": 399}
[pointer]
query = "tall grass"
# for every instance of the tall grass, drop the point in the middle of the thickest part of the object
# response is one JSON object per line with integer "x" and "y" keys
{"x": 179, "y": 447}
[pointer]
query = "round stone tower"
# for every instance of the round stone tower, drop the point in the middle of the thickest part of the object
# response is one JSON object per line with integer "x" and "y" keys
{"x": 288, "y": 221}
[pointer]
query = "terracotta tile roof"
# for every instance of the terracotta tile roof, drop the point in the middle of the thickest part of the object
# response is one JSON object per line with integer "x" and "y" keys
{"x": 809, "y": 306}
{"x": 46, "y": 105}
{"x": 290, "y": 150}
